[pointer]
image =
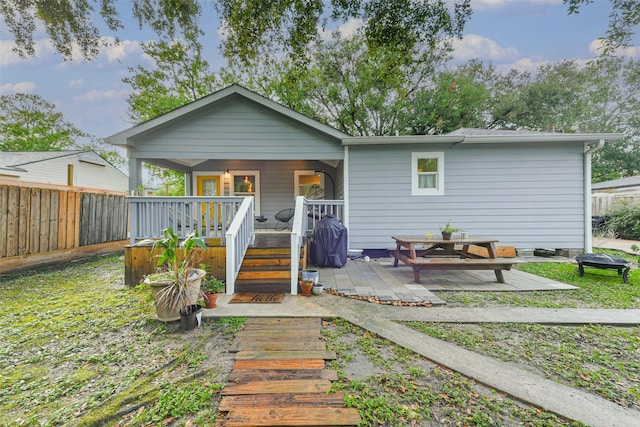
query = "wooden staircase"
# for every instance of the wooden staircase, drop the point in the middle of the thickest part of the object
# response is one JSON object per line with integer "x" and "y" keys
{"x": 267, "y": 266}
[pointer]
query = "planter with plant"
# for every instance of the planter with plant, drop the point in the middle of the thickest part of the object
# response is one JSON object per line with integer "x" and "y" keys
{"x": 176, "y": 286}
{"x": 211, "y": 289}
{"x": 448, "y": 230}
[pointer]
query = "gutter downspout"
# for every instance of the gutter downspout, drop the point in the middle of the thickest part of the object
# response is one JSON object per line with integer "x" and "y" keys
{"x": 589, "y": 149}
{"x": 345, "y": 192}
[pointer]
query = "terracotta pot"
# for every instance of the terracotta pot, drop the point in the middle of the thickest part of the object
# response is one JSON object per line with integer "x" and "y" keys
{"x": 306, "y": 286}
{"x": 210, "y": 300}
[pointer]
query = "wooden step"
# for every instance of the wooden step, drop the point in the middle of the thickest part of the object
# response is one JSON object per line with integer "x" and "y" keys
{"x": 280, "y": 364}
{"x": 264, "y": 274}
{"x": 277, "y": 386}
{"x": 246, "y": 375}
{"x": 281, "y": 344}
{"x": 277, "y": 334}
{"x": 292, "y": 416}
{"x": 263, "y": 285}
{"x": 263, "y": 261}
{"x": 283, "y": 323}
{"x": 281, "y": 400}
{"x": 257, "y": 252}
{"x": 285, "y": 354}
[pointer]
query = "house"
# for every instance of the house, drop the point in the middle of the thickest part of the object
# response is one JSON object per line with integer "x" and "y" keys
{"x": 528, "y": 190}
{"x": 604, "y": 194}
{"x": 77, "y": 168}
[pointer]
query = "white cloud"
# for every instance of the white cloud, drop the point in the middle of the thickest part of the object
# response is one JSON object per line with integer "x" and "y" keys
{"x": 119, "y": 51}
{"x": 98, "y": 95}
{"x": 76, "y": 82}
{"x": 475, "y": 46}
{"x": 346, "y": 30}
{"x": 42, "y": 47}
{"x": 629, "y": 51}
{"x": 20, "y": 87}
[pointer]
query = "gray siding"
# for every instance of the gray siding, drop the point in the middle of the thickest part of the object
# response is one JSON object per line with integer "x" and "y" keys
{"x": 527, "y": 195}
{"x": 276, "y": 180}
{"x": 236, "y": 128}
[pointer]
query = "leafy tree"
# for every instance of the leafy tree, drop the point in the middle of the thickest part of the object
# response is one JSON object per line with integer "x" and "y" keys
{"x": 454, "y": 99}
{"x": 179, "y": 75}
{"x": 29, "y": 123}
{"x": 252, "y": 27}
{"x": 347, "y": 84}
{"x": 624, "y": 17}
{"x": 613, "y": 103}
{"x": 551, "y": 100}
{"x": 68, "y": 21}
{"x": 255, "y": 27}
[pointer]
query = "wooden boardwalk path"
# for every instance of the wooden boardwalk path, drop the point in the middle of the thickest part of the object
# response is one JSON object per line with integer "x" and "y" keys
{"x": 279, "y": 377}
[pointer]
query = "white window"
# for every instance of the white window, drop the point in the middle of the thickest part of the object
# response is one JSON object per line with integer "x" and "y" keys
{"x": 427, "y": 174}
{"x": 246, "y": 183}
{"x": 309, "y": 184}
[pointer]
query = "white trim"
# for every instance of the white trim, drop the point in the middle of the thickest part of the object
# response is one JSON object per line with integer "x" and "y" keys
{"x": 415, "y": 189}
{"x": 345, "y": 191}
{"x": 256, "y": 191}
{"x": 219, "y": 174}
{"x": 304, "y": 172}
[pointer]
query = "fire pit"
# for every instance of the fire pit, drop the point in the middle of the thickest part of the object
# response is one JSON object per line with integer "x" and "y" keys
{"x": 605, "y": 262}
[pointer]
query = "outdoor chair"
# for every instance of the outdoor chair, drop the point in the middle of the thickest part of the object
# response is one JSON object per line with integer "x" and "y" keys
{"x": 283, "y": 219}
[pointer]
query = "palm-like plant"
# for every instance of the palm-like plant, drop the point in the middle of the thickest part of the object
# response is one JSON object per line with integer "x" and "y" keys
{"x": 177, "y": 263}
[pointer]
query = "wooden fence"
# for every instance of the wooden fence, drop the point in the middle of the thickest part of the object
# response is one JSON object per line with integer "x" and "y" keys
{"x": 37, "y": 218}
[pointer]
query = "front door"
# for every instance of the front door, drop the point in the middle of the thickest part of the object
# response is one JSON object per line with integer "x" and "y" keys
{"x": 211, "y": 186}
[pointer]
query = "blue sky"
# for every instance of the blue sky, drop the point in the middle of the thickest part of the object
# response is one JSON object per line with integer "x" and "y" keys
{"x": 522, "y": 34}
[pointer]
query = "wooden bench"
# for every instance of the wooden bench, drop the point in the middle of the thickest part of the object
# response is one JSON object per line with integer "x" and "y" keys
{"x": 496, "y": 264}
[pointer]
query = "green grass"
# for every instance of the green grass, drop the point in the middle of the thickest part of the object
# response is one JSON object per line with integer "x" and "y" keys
{"x": 391, "y": 386}
{"x": 596, "y": 289}
{"x": 79, "y": 347}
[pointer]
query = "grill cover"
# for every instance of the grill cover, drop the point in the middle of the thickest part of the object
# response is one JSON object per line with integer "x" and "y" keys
{"x": 329, "y": 245}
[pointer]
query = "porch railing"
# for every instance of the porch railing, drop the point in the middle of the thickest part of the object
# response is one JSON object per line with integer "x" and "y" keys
{"x": 307, "y": 214}
{"x": 210, "y": 216}
{"x": 239, "y": 236}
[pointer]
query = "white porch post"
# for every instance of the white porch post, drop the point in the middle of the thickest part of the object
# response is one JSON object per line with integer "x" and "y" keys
{"x": 588, "y": 232}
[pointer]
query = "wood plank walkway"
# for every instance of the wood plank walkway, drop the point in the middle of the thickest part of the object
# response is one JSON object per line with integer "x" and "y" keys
{"x": 279, "y": 377}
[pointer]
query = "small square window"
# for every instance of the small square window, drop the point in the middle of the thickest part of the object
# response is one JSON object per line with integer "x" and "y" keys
{"x": 427, "y": 174}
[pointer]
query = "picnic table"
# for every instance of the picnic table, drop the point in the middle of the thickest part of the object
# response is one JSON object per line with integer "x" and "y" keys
{"x": 419, "y": 253}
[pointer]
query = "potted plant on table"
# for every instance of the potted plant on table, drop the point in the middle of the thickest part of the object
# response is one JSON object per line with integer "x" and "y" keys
{"x": 176, "y": 287}
{"x": 211, "y": 289}
{"x": 448, "y": 230}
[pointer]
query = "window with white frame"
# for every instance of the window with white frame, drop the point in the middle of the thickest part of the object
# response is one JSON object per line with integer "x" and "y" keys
{"x": 427, "y": 174}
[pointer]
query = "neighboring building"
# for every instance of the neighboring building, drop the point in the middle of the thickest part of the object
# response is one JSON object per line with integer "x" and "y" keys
{"x": 70, "y": 167}
{"x": 604, "y": 194}
{"x": 527, "y": 189}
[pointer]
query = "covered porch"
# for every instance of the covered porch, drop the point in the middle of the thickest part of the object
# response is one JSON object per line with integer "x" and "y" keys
{"x": 245, "y": 259}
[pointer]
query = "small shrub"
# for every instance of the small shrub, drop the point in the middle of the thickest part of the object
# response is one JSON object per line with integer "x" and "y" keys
{"x": 624, "y": 218}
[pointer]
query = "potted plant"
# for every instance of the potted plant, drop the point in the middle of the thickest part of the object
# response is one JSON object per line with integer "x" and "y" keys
{"x": 306, "y": 287}
{"x": 176, "y": 287}
{"x": 447, "y": 230}
{"x": 210, "y": 289}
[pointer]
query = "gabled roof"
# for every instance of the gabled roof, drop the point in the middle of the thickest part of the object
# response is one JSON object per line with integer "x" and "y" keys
{"x": 121, "y": 138}
{"x": 19, "y": 161}
{"x": 631, "y": 181}
{"x": 20, "y": 158}
{"x": 483, "y": 136}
